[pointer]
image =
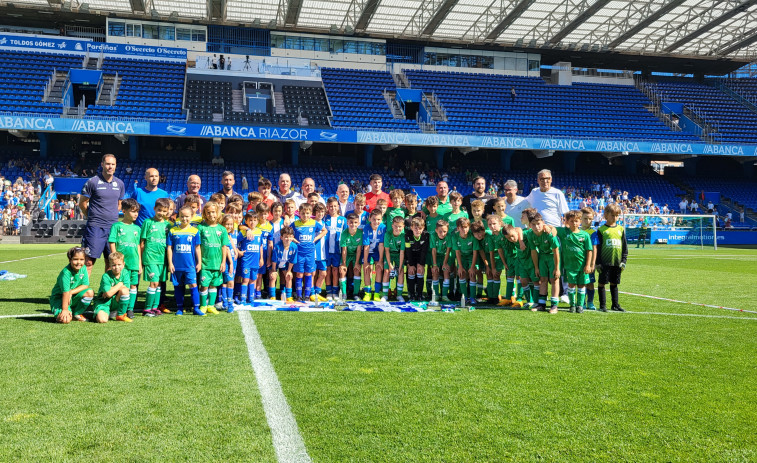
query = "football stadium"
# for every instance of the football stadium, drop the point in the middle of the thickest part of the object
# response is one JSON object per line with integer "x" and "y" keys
{"x": 378, "y": 230}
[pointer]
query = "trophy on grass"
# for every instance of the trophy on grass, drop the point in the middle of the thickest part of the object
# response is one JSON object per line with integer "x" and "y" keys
{"x": 433, "y": 303}
{"x": 340, "y": 304}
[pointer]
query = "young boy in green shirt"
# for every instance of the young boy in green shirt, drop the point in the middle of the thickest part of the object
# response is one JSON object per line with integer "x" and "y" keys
{"x": 480, "y": 260}
{"x": 612, "y": 253}
{"x": 394, "y": 257}
{"x": 431, "y": 205}
{"x": 71, "y": 295}
{"x": 214, "y": 247}
{"x": 397, "y": 196}
{"x": 576, "y": 256}
{"x": 153, "y": 252}
{"x": 463, "y": 244}
{"x": 495, "y": 244}
{"x": 113, "y": 292}
{"x": 438, "y": 261}
{"x": 587, "y": 218}
{"x": 125, "y": 238}
{"x": 545, "y": 254}
{"x": 351, "y": 243}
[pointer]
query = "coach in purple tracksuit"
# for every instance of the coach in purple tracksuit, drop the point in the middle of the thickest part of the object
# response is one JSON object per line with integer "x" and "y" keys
{"x": 100, "y": 201}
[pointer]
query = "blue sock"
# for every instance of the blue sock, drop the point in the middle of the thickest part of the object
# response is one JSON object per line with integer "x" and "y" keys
{"x": 229, "y": 297}
{"x": 258, "y": 294}
{"x": 178, "y": 292}
{"x": 289, "y": 292}
{"x": 251, "y": 291}
{"x": 590, "y": 296}
{"x": 271, "y": 291}
{"x": 298, "y": 286}
{"x": 308, "y": 283}
{"x": 378, "y": 287}
{"x": 195, "y": 292}
{"x": 243, "y": 293}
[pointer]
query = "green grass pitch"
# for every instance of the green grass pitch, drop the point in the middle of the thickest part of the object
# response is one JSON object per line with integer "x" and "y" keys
{"x": 669, "y": 382}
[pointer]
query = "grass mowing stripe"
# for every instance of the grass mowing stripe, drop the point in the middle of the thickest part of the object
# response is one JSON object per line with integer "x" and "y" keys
{"x": 28, "y": 315}
{"x": 699, "y": 315}
{"x": 29, "y": 258}
{"x": 287, "y": 440}
{"x": 686, "y": 302}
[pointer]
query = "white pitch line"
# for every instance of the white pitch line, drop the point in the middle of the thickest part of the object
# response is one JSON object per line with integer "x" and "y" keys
{"x": 688, "y": 315}
{"x": 687, "y": 302}
{"x": 29, "y": 315}
{"x": 29, "y": 258}
{"x": 287, "y": 440}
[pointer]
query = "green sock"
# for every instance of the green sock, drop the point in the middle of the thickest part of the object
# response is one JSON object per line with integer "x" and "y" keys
{"x": 463, "y": 287}
{"x": 581, "y": 297}
{"x": 437, "y": 288}
{"x": 132, "y": 299}
{"x": 554, "y": 300}
{"x": 212, "y": 294}
{"x": 203, "y": 298}
{"x": 479, "y": 289}
{"x": 149, "y": 298}
{"x": 473, "y": 289}
{"x": 533, "y": 293}
{"x": 343, "y": 286}
{"x": 520, "y": 292}
{"x": 509, "y": 288}
{"x": 572, "y": 296}
{"x": 385, "y": 291}
{"x": 122, "y": 305}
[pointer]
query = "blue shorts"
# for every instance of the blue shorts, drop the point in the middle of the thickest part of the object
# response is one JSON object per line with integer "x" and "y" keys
{"x": 304, "y": 266}
{"x": 334, "y": 259}
{"x": 592, "y": 278}
{"x": 321, "y": 265}
{"x": 95, "y": 242}
{"x": 250, "y": 272}
{"x": 373, "y": 257}
{"x": 181, "y": 278}
{"x": 238, "y": 270}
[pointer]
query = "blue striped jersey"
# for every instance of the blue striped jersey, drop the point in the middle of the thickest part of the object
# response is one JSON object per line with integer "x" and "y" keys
{"x": 183, "y": 242}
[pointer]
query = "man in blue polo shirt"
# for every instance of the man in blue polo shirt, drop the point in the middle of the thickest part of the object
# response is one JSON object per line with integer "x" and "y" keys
{"x": 100, "y": 201}
{"x": 147, "y": 195}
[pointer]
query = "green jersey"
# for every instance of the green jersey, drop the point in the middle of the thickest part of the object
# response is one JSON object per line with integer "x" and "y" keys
{"x": 108, "y": 281}
{"x": 126, "y": 237}
{"x": 612, "y": 249}
{"x": 68, "y": 279}
{"x": 391, "y": 213}
{"x": 464, "y": 245}
{"x": 351, "y": 242}
{"x": 495, "y": 242}
{"x": 507, "y": 220}
{"x": 524, "y": 255}
{"x": 154, "y": 233}
{"x": 212, "y": 240}
{"x": 394, "y": 244}
{"x": 431, "y": 223}
{"x": 452, "y": 219}
{"x": 573, "y": 248}
{"x": 441, "y": 245}
{"x": 544, "y": 244}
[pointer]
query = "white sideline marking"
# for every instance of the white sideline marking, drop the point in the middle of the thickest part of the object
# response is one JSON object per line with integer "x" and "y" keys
{"x": 687, "y": 302}
{"x": 287, "y": 440}
{"x": 29, "y": 258}
{"x": 29, "y": 315}
{"x": 686, "y": 315}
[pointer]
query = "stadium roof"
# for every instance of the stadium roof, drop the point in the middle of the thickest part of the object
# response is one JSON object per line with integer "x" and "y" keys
{"x": 697, "y": 28}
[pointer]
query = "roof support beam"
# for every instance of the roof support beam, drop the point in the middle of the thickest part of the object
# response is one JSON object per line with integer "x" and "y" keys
{"x": 293, "y": 12}
{"x": 369, "y": 9}
{"x": 216, "y": 10}
{"x": 646, "y": 22}
{"x": 438, "y": 17}
{"x": 508, "y": 20}
{"x": 427, "y": 17}
{"x": 580, "y": 19}
{"x": 359, "y": 15}
{"x": 711, "y": 25}
{"x": 740, "y": 42}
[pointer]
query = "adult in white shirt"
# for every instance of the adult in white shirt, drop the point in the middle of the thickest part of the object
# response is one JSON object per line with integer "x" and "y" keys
{"x": 683, "y": 206}
{"x": 515, "y": 204}
{"x": 694, "y": 206}
{"x": 548, "y": 201}
{"x": 308, "y": 186}
{"x": 343, "y": 196}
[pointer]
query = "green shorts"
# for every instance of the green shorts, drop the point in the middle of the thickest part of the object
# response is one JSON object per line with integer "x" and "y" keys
{"x": 56, "y": 304}
{"x": 498, "y": 265}
{"x": 524, "y": 268}
{"x": 395, "y": 258}
{"x": 212, "y": 278}
{"x": 105, "y": 306}
{"x": 133, "y": 277}
{"x": 510, "y": 270}
{"x": 576, "y": 277}
{"x": 154, "y": 273}
{"x": 466, "y": 261}
{"x": 546, "y": 266}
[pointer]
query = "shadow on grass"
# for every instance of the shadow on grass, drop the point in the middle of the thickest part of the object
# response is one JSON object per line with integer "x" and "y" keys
{"x": 26, "y": 300}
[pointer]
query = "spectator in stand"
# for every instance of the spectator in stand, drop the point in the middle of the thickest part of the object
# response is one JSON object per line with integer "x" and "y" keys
{"x": 683, "y": 206}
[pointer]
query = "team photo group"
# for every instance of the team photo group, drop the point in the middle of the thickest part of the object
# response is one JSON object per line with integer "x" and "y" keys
{"x": 227, "y": 251}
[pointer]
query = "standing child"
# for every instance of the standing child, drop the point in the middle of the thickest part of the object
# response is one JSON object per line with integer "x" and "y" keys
{"x": 266, "y": 229}
{"x": 230, "y": 274}
{"x": 477, "y": 209}
{"x": 214, "y": 241}
{"x": 440, "y": 244}
{"x": 319, "y": 211}
{"x": 71, "y": 294}
{"x": 290, "y": 213}
{"x": 495, "y": 248}
{"x": 251, "y": 258}
{"x": 397, "y": 196}
{"x": 114, "y": 291}
{"x": 351, "y": 256}
{"x": 612, "y": 253}
{"x": 394, "y": 255}
{"x": 335, "y": 225}
{"x": 545, "y": 254}
{"x": 124, "y": 238}
{"x": 480, "y": 259}
{"x": 418, "y": 243}
{"x": 373, "y": 254}
{"x": 153, "y": 248}
{"x": 411, "y": 210}
{"x": 306, "y": 233}
{"x": 360, "y": 210}
{"x": 576, "y": 257}
{"x": 463, "y": 245}
{"x": 282, "y": 262}
{"x": 431, "y": 205}
{"x": 184, "y": 255}
{"x": 456, "y": 201}
{"x": 587, "y": 218}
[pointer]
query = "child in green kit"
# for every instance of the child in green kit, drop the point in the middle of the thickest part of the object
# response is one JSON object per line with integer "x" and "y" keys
{"x": 214, "y": 247}
{"x": 576, "y": 255}
{"x": 438, "y": 262}
{"x": 456, "y": 201}
{"x": 463, "y": 244}
{"x": 587, "y": 218}
{"x": 480, "y": 260}
{"x": 125, "y": 238}
{"x": 394, "y": 257}
{"x": 612, "y": 253}
{"x": 71, "y": 295}
{"x": 113, "y": 294}
{"x": 545, "y": 254}
{"x": 495, "y": 244}
{"x": 411, "y": 209}
{"x": 153, "y": 251}
{"x": 397, "y": 196}
{"x": 431, "y": 205}
{"x": 351, "y": 243}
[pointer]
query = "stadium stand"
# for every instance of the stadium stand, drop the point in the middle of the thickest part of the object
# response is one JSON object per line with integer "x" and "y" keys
{"x": 204, "y": 98}
{"x": 482, "y": 103}
{"x": 24, "y": 76}
{"x": 732, "y": 121}
{"x": 357, "y": 101}
{"x": 309, "y": 102}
